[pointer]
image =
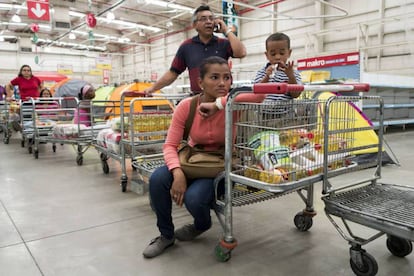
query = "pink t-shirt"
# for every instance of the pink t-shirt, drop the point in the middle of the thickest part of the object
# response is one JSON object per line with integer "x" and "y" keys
{"x": 27, "y": 87}
{"x": 83, "y": 118}
{"x": 209, "y": 132}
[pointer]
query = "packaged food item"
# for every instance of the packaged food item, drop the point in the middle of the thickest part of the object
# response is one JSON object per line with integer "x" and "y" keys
{"x": 273, "y": 158}
{"x": 264, "y": 140}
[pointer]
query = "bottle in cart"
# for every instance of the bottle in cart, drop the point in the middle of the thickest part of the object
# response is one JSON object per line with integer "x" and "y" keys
{"x": 16, "y": 92}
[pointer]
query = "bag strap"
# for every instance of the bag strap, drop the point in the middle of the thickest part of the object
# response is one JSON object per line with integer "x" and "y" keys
{"x": 190, "y": 118}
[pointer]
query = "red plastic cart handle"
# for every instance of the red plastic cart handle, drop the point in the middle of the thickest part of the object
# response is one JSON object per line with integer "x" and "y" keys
{"x": 270, "y": 88}
{"x": 282, "y": 88}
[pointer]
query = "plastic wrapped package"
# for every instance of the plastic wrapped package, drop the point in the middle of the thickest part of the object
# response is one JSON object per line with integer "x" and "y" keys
{"x": 67, "y": 131}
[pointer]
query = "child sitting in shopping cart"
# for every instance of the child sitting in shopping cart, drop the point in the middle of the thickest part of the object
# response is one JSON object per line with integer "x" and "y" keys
{"x": 278, "y": 69}
{"x": 83, "y": 114}
{"x": 47, "y": 105}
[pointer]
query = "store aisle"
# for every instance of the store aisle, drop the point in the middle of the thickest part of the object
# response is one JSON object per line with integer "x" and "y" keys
{"x": 58, "y": 218}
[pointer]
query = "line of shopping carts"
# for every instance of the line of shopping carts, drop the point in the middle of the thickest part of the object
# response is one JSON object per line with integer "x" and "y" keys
{"x": 281, "y": 148}
{"x": 289, "y": 147}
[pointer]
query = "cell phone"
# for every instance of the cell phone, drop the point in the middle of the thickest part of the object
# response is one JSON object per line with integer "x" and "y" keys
{"x": 216, "y": 28}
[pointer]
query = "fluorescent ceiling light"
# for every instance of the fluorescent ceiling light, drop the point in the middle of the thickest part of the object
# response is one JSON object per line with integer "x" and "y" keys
{"x": 134, "y": 25}
{"x": 1, "y": 38}
{"x": 169, "y": 5}
{"x": 72, "y": 36}
{"x": 106, "y": 37}
{"x": 110, "y": 16}
{"x": 119, "y": 22}
{"x": 76, "y": 14}
{"x": 74, "y": 45}
{"x": 16, "y": 18}
{"x": 41, "y": 26}
{"x": 46, "y": 27}
{"x": 4, "y": 6}
{"x": 13, "y": 24}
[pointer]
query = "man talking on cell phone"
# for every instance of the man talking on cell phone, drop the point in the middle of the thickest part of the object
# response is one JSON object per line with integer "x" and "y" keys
{"x": 192, "y": 51}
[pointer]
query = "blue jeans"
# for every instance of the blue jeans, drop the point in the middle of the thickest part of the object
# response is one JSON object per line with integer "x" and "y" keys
{"x": 198, "y": 199}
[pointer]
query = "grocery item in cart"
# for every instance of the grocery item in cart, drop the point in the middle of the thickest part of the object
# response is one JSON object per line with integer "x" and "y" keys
{"x": 116, "y": 124}
{"x": 67, "y": 131}
{"x": 264, "y": 140}
{"x": 272, "y": 158}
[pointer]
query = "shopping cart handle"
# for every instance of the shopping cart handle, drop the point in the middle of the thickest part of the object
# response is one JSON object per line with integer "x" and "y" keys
{"x": 133, "y": 94}
{"x": 360, "y": 87}
{"x": 282, "y": 88}
{"x": 275, "y": 88}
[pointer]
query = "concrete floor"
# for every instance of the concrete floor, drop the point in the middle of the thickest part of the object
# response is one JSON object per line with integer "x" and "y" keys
{"x": 58, "y": 218}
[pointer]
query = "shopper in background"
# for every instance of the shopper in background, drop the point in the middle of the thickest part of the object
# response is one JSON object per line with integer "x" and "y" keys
{"x": 192, "y": 51}
{"x": 168, "y": 183}
{"x": 29, "y": 85}
{"x": 45, "y": 93}
{"x": 3, "y": 93}
{"x": 83, "y": 114}
{"x": 278, "y": 68}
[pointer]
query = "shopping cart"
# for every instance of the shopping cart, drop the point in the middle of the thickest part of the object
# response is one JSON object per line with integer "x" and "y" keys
{"x": 5, "y": 120}
{"x": 45, "y": 116}
{"x": 384, "y": 208}
{"x": 149, "y": 119}
{"x": 26, "y": 122}
{"x": 63, "y": 130}
{"x": 106, "y": 142}
{"x": 279, "y": 150}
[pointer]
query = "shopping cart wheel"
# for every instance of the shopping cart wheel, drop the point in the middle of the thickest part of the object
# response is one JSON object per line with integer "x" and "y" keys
{"x": 30, "y": 149}
{"x": 22, "y": 143}
{"x": 103, "y": 157}
{"x": 105, "y": 167}
{"x": 399, "y": 247}
{"x": 79, "y": 160}
{"x": 368, "y": 266}
{"x": 54, "y": 148}
{"x": 124, "y": 185}
{"x": 6, "y": 140}
{"x": 223, "y": 249}
{"x": 303, "y": 222}
{"x": 36, "y": 154}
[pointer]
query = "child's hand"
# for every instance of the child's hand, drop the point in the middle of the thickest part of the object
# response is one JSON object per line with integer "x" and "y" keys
{"x": 286, "y": 67}
{"x": 269, "y": 70}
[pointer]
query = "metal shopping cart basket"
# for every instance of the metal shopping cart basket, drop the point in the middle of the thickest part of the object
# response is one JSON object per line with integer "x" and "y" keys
{"x": 6, "y": 109}
{"x": 148, "y": 119}
{"x": 384, "y": 208}
{"x": 279, "y": 150}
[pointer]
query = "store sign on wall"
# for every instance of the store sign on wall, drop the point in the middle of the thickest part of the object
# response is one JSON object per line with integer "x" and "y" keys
{"x": 104, "y": 62}
{"x": 38, "y": 10}
{"x": 329, "y": 61}
{"x": 65, "y": 69}
{"x": 93, "y": 71}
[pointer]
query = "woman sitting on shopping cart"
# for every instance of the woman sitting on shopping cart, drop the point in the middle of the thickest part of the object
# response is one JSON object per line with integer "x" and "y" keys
{"x": 168, "y": 183}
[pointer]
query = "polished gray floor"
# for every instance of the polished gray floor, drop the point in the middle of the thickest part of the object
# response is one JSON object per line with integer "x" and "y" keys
{"x": 58, "y": 218}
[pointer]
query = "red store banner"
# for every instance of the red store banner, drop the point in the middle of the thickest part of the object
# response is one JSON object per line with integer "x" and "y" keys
{"x": 329, "y": 61}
